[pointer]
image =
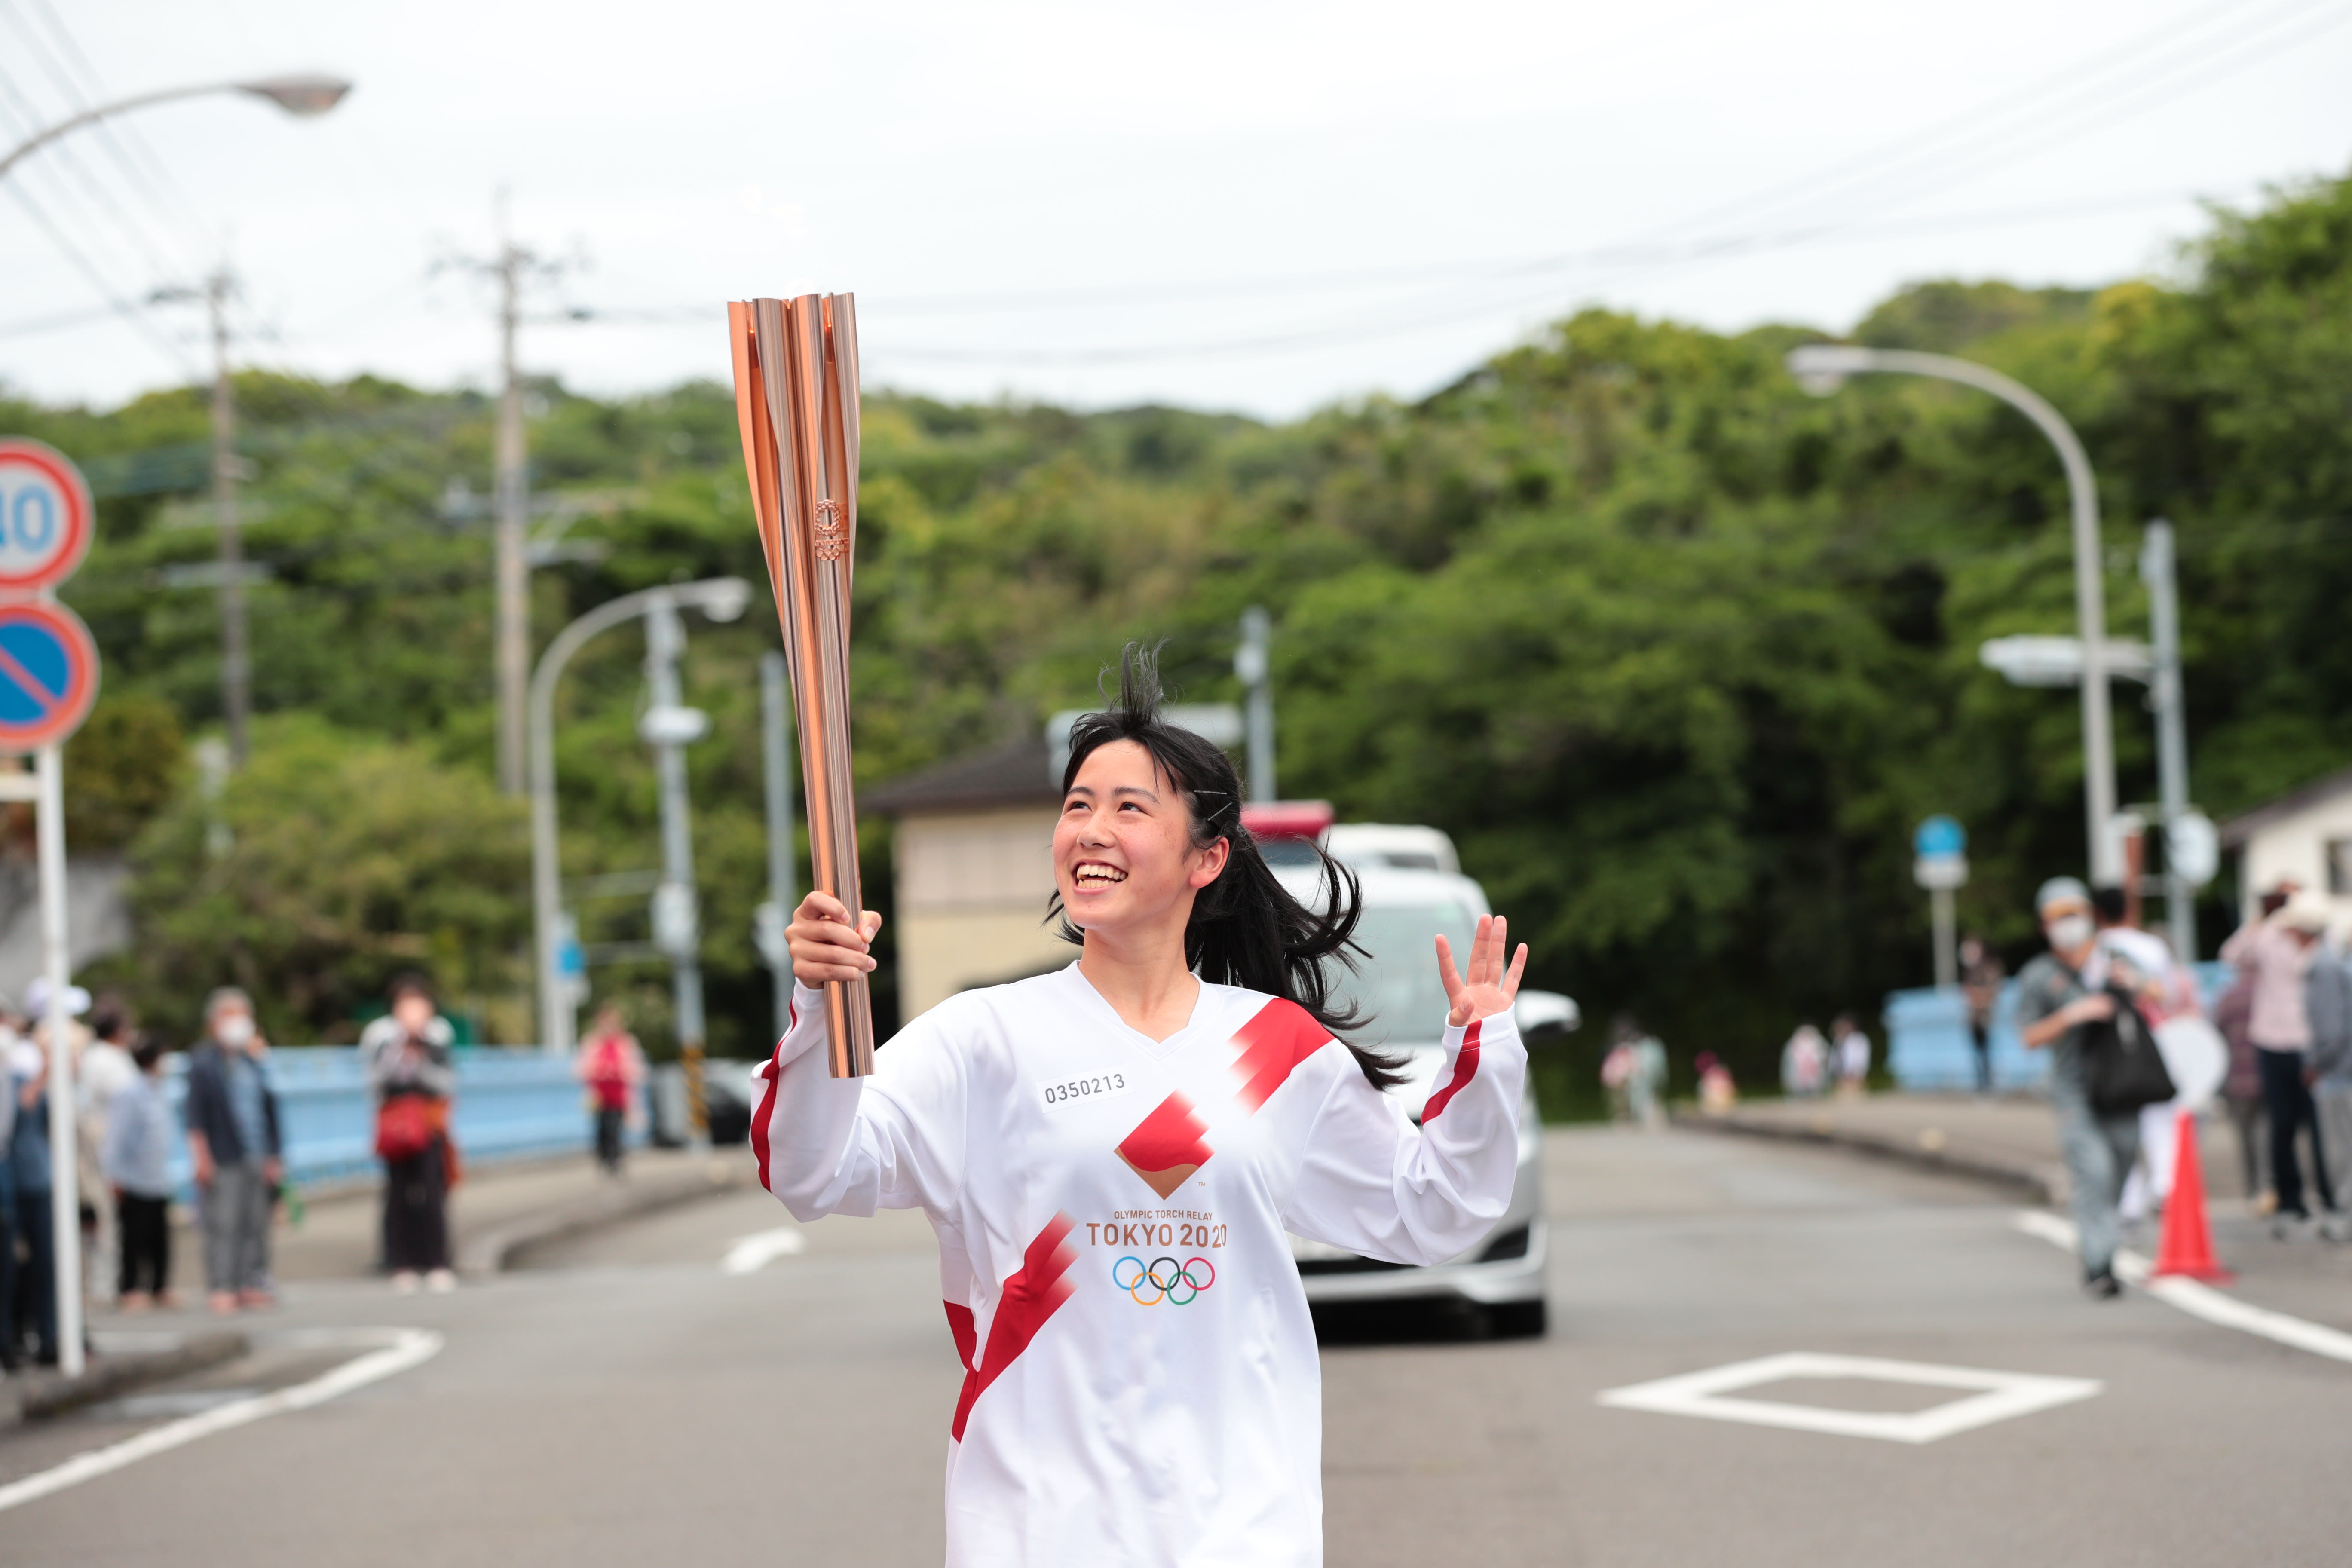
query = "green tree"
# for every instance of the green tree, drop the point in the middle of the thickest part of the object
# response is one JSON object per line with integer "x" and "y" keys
{"x": 331, "y": 863}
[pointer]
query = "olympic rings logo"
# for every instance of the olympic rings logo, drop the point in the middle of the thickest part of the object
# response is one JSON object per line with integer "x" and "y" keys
{"x": 1178, "y": 1285}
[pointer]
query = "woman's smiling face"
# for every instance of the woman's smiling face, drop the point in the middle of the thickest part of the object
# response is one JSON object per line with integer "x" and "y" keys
{"x": 1123, "y": 848}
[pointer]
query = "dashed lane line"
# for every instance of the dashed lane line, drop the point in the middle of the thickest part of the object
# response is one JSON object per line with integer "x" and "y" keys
{"x": 398, "y": 1350}
{"x": 2198, "y": 1299}
{"x": 749, "y": 1253}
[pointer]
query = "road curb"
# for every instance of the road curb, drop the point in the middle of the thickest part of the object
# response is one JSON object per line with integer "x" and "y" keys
{"x": 493, "y": 1251}
{"x": 2043, "y": 1183}
{"x": 38, "y": 1394}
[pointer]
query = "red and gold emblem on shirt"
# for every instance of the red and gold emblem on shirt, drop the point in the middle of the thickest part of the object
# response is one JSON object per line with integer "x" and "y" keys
{"x": 1167, "y": 1146}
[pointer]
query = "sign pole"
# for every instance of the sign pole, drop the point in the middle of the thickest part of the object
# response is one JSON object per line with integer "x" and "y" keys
{"x": 65, "y": 1200}
{"x": 48, "y": 678}
{"x": 1940, "y": 909}
{"x": 1941, "y": 867}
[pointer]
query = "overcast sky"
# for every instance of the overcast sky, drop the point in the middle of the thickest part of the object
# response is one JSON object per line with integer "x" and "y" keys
{"x": 1263, "y": 207}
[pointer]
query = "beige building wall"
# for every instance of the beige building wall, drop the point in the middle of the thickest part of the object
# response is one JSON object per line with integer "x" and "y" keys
{"x": 2300, "y": 848}
{"x": 972, "y": 890}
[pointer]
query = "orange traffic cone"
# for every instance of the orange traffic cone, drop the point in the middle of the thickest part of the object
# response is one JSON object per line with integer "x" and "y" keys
{"x": 2187, "y": 1247}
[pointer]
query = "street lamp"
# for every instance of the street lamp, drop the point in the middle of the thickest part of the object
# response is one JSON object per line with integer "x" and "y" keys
{"x": 303, "y": 95}
{"x": 722, "y": 599}
{"x": 1823, "y": 368}
{"x": 2190, "y": 859}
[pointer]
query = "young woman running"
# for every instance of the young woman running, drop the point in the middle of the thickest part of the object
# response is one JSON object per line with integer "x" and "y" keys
{"x": 1111, "y": 1153}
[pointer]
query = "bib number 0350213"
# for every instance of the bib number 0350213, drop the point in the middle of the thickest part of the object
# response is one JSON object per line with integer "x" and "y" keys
{"x": 1099, "y": 1086}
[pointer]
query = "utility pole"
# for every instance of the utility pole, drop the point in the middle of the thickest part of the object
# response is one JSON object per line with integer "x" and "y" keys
{"x": 2156, "y": 569}
{"x": 513, "y": 509}
{"x": 237, "y": 673}
{"x": 669, "y": 726}
{"x": 1253, "y": 662}
{"x": 775, "y": 745}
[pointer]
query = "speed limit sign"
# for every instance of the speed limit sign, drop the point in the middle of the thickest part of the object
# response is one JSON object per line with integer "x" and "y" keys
{"x": 45, "y": 516}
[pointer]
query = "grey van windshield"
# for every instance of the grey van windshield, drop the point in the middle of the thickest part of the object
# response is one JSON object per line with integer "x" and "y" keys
{"x": 1398, "y": 988}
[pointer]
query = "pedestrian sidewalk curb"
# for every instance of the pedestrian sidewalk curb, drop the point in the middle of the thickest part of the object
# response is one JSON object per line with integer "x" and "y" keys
{"x": 627, "y": 1199}
{"x": 33, "y": 1395}
{"x": 2044, "y": 1182}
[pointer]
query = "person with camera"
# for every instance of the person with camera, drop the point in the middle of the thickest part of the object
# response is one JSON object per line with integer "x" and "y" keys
{"x": 2059, "y": 1011}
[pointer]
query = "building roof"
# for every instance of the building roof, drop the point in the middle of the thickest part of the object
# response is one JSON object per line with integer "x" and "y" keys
{"x": 1015, "y": 774}
{"x": 2238, "y": 829}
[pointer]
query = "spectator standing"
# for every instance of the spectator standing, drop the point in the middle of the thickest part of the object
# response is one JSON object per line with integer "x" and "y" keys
{"x": 137, "y": 1168}
{"x": 410, "y": 1071}
{"x": 2327, "y": 996}
{"x": 102, "y": 1069}
{"x": 1616, "y": 1072}
{"x": 1717, "y": 1094}
{"x": 2241, "y": 1090}
{"x": 612, "y": 1065}
{"x": 1804, "y": 1063}
{"x": 2054, "y": 1004}
{"x": 1853, "y": 1057}
{"x": 1646, "y": 1085}
{"x": 1981, "y": 974}
{"x": 9, "y": 1358}
{"x": 2277, "y": 951}
{"x": 234, "y": 1142}
{"x": 34, "y": 1297}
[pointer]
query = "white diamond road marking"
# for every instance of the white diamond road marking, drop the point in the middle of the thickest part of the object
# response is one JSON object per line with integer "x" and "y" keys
{"x": 1996, "y": 1396}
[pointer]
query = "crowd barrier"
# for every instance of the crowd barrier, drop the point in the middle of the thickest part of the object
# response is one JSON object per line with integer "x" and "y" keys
{"x": 510, "y": 1103}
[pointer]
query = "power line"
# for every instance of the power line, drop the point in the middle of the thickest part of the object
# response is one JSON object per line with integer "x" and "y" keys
{"x": 1974, "y": 120}
{"x": 70, "y": 184}
{"x": 121, "y": 306}
{"x": 883, "y": 310}
{"x": 2099, "y": 105}
{"x": 131, "y": 150}
{"x": 68, "y": 159}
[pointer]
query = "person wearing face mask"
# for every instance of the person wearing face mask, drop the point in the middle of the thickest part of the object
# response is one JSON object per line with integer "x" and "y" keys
{"x": 2054, "y": 1004}
{"x": 409, "y": 1066}
{"x": 2276, "y": 954}
{"x": 235, "y": 1147}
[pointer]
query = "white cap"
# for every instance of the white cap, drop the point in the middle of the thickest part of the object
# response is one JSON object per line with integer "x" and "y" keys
{"x": 37, "y": 999}
{"x": 2060, "y": 890}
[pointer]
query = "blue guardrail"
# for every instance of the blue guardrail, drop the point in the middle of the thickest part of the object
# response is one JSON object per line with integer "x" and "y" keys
{"x": 511, "y": 1104}
{"x": 1928, "y": 1045}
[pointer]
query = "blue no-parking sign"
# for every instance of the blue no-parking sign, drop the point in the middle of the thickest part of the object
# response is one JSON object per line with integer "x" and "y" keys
{"x": 48, "y": 665}
{"x": 48, "y": 673}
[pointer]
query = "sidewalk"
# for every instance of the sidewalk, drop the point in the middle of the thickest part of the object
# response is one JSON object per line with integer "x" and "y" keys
{"x": 495, "y": 1211}
{"x": 495, "y": 1214}
{"x": 2011, "y": 1143}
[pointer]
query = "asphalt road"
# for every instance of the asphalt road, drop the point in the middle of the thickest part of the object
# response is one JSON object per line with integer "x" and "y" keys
{"x": 623, "y": 1401}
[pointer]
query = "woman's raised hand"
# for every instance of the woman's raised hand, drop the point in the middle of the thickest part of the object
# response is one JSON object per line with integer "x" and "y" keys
{"x": 1489, "y": 987}
{"x": 825, "y": 946}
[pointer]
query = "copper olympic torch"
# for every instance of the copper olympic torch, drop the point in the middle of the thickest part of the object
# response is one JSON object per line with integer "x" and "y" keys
{"x": 796, "y": 403}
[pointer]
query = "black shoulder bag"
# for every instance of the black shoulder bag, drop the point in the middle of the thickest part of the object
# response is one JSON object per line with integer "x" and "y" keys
{"x": 2122, "y": 1068}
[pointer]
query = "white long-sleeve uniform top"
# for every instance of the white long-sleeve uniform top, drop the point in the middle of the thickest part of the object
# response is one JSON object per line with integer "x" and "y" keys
{"x": 1141, "y": 1385}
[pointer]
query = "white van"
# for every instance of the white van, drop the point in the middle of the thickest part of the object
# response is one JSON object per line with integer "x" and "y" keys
{"x": 1412, "y": 891}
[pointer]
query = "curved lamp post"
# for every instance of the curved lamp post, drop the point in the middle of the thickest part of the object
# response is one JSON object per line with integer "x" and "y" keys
{"x": 720, "y": 598}
{"x": 303, "y": 95}
{"x": 1823, "y": 368}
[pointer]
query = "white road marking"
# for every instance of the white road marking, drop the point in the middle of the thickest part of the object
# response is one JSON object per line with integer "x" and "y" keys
{"x": 400, "y": 1349}
{"x": 1998, "y": 1396}
{"x": 749, "y": 1253}
{"x": 2198, "y": 1299}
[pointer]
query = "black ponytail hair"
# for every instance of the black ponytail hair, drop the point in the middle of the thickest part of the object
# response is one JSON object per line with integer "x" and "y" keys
{"x": 1246, "y": 929}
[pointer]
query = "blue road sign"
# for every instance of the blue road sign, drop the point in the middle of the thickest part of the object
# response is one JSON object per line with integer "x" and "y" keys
{"x": 49, "y": 675}
{"x": 1939, "y": 836}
